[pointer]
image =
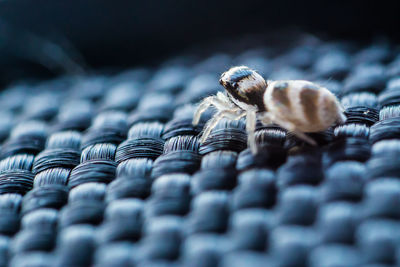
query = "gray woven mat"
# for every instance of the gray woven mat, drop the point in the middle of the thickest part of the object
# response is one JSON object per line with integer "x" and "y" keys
{"x": 107, "y": 170}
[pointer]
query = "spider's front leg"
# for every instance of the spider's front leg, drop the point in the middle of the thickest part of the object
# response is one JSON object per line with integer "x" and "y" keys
{"x": 218, "y": 101}
{"x": 251, "y": 120}
{"x": 203, "y": 106}
{"x": 265, "y": 118}
{"x": 229, "y": 114}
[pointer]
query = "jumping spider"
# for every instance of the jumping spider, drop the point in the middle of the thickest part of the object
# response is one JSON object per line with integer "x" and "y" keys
{"x": 296, "y": 105}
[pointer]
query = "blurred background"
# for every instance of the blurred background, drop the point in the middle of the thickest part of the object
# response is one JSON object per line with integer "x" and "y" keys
{"x": 44, "y": 38}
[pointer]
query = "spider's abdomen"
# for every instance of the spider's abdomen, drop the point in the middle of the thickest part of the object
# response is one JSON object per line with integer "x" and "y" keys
{"x": 306, "y": 106}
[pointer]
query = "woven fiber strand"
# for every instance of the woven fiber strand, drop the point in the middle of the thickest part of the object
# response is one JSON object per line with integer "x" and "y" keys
{"x": 107, "y": 170}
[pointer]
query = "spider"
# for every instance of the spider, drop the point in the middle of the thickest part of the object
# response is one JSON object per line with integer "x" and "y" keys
{"x": 296, "y": 105}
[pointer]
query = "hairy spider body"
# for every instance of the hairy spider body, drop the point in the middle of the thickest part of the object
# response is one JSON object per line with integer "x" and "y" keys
{"x": 296, "y": 105}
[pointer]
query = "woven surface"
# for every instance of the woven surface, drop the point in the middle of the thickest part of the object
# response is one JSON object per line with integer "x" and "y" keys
{"x": 108, "y": 170}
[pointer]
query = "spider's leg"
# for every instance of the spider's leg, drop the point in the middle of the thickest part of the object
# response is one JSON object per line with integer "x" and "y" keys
{"x": 291, "y": 128}
{"x": 265, "y": 118}
{"x": 222, "y": 102}
{"x": 241, "y": 115}
{"x": 341, "y": 117}
{"x": 223, "y": 98}
{"x": 205, "y": 104}
{"x": 231, "y": 114}
{"x": 304, "y": 137}
{"x": 210, "y": 125}
{"x": 251, "y": 128}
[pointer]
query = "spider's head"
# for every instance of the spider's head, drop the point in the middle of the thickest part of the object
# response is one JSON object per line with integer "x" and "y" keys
{"x": 244, "y": 85}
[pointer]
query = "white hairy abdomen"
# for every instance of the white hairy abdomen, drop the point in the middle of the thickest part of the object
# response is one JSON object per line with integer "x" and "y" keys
{"x": 301, "y": 105}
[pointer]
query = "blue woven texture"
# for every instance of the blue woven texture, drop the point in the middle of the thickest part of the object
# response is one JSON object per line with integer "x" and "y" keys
{"x": 107, "y": 170}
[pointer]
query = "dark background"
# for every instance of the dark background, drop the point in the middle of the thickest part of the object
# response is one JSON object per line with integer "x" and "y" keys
{"x": 104, "y": 33}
